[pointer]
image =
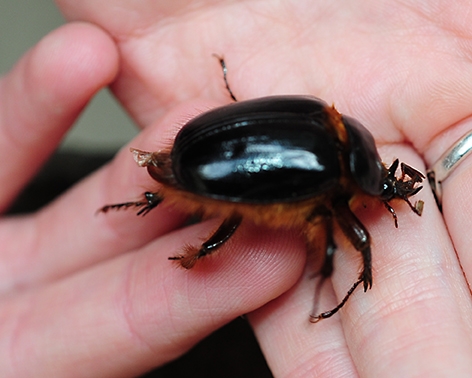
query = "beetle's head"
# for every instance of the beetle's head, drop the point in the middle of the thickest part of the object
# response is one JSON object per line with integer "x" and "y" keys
{"x": 402, "y": 187}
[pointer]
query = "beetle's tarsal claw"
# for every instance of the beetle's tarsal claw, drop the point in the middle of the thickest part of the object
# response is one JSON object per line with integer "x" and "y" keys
{"x": 367, "y": 283}
{"x": 318, "y": 288}
{"x": 151, "y": 201}
{"x": 146, "y": 209}
{"x": 316, "y": 319}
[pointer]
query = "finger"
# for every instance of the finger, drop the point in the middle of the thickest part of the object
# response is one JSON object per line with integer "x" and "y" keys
{"x": 294, "y": 347}
{"x": 417, "y": 319}
{"x": 111, "y": 17}
{"x": 138, "y": 311}
{"x": 456, "y": 194}
{"x": 70, "y": 234}
{"x": 44, "y": 93}
{"x": 414, "y": 321}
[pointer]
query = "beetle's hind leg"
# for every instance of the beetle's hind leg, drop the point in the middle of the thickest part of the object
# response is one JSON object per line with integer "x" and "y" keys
{"x": 192, "y": 254}
{"x": 225, "y": 75}
{"x": 151, "y": 200}
{"x": 321, "y": 219}
{"x": 360, "y": 239}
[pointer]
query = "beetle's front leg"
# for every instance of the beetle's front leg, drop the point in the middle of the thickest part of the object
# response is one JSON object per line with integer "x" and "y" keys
{"x": 360, "y": 239}
{"x": 192, "y": 254}
{"x": 151, "y": 200}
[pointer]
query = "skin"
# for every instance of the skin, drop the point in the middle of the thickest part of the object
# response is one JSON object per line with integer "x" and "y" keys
{"x": 75, "y": 302}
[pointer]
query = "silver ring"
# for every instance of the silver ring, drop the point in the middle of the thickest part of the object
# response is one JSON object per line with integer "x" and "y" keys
{"x": 446, "y": 164}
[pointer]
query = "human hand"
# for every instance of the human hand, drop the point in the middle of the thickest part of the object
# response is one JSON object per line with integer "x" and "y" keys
{"x": 85, "y": 295}
{"x": 400, "y": 70}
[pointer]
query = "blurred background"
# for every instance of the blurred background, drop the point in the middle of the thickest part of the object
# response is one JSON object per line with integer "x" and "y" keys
{"x": 104, "y": 127}
{"x": 101, "y": 130}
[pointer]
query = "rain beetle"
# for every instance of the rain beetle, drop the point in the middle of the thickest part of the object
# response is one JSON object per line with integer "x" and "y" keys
{"x": 288, "y": 161}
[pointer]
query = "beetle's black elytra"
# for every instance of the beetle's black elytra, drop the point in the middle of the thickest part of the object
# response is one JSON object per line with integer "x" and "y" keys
{"x": 282, "y": 161}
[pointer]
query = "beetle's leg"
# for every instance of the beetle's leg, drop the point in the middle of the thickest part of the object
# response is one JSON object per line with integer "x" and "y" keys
{"x": 225, "y": 74}
{"x": 415, "y": 175}
{"x": 327, "y": 267}
{"x": 392, "y": 211}
{"x": 360, "y": 239}
{"x": 216, "y": 240}
{"x": 358, "y": 235}
{"x": 322, "y": 218}
{"x": 151, "y": 200}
